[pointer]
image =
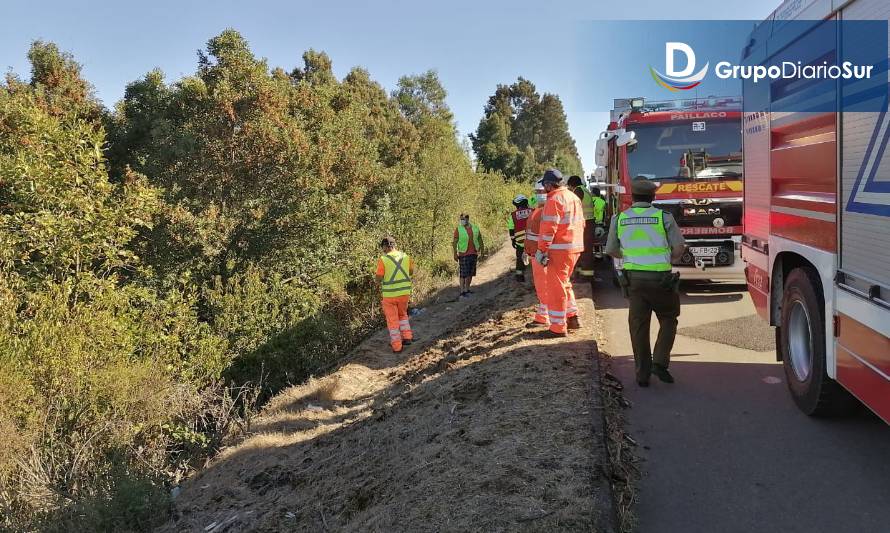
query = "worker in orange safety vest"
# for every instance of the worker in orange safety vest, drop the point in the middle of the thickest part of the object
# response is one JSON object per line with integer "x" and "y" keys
{"x": 539, "y": 274}
{"x": 394, "y": 271}
{"x": 560, "y": 243}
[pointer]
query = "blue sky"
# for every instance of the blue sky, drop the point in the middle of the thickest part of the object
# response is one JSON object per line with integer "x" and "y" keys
{"x": 474, "y": 45}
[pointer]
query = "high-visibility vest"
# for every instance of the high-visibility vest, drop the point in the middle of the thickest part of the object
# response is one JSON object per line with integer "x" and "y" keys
{"x": 532, "y": 232}
{"x": 562, "y": 222}
{"x": 644, "y": 243}
{"x": 599, "y": 209}
{"x": 396, "y": 274}
{"x": 463, "y": 238}
{"x": 517, "y": 223}
{"x": 586, "y": 202}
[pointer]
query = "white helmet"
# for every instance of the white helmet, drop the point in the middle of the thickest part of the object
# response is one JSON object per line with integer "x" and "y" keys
{"x": 540, "y": 193}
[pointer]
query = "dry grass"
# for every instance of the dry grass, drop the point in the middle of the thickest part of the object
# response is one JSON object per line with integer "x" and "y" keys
{"x": 480, "y": 426}
{"x": 324, "y": 390}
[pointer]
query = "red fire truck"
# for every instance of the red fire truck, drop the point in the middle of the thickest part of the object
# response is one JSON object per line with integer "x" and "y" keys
{"x": 693, "y": 150}
{"x": 817, "y": 218}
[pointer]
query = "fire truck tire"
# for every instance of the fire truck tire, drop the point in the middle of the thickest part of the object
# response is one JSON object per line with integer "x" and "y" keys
{"x": 802, "y": 336}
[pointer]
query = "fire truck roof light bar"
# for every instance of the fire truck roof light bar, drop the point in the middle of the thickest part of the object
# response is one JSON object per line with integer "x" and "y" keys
{"x": 711, "y": 102}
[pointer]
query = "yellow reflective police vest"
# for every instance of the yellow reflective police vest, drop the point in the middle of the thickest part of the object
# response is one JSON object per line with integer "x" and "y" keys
{"x": 644, "y": 244}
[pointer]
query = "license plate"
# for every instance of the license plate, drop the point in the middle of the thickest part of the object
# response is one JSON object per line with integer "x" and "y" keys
{"x": 704, "y": 251}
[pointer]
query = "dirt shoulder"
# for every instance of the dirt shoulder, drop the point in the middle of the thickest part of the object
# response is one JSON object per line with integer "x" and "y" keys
{"x": 482, "y": 425}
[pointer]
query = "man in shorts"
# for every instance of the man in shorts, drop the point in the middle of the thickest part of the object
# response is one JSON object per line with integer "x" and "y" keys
{"x": 467, "y": 246}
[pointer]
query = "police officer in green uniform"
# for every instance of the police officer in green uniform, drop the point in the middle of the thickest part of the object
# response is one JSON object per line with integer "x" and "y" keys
{"x": 647, "y": 240}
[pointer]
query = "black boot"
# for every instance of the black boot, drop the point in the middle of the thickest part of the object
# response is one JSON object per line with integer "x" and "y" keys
{"x": 662, "y": 373}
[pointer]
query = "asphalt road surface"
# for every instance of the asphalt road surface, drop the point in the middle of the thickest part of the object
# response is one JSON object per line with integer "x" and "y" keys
{"x": 725, "y": 449}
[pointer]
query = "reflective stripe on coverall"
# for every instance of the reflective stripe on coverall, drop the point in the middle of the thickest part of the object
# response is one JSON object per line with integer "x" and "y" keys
{"x": 561, "y": 237}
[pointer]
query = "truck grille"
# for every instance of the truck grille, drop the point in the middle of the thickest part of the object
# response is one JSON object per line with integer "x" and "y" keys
{"x": 701, "y": 212}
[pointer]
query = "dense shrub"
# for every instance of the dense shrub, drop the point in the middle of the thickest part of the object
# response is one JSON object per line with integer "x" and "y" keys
{"x": 277, "y": 188}
{"x": 96, "y": 366}
{"x": 221, "y": 233}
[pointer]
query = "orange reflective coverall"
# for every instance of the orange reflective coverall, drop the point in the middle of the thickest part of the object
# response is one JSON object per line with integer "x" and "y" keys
{"x": 395, "y": 309}
{"x": 532, "y": 229}
{"x": 562, "y": 239}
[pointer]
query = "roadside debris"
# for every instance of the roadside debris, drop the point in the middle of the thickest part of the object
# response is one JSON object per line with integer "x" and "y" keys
{"x": 622, "y": 468}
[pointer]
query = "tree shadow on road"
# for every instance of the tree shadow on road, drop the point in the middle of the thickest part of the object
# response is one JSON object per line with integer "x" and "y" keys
{"x": 727, "y": 449}
{"x": 608, "y": 296}
{"x": 693, "y": 299}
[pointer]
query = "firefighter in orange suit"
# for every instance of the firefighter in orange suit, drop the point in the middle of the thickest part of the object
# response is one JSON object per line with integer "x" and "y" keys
{"x": 394, "y": 271}
{"x": 560, "y": 243}
{"x": 532, "y": 229}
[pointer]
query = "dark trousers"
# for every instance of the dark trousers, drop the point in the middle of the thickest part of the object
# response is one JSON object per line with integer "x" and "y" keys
{"x": 647, "y": 294}
{"x": 520, "y": 264}
{"x": 585, "y": 262}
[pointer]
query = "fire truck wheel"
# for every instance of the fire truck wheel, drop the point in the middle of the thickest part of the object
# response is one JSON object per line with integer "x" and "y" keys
{"x": 802, "y": 334}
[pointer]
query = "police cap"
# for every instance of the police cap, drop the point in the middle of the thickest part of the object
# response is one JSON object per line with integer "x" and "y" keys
{"x": 642, "y": 186}
{"x": 552, "y": 175}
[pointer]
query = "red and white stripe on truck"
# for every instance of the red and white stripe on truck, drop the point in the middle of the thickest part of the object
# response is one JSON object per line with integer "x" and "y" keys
{"x": 817, "y": 236}
{"x": 707, "y": 208}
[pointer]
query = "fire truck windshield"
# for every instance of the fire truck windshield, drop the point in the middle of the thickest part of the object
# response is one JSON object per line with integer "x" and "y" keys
{"x": 687, "y": 151}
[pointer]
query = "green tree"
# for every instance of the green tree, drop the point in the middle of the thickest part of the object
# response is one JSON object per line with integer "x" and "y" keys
{"x": 523, "y": 132}
{"x": 554, "y": 139}
{"x": 492, "y": 145}
{"x": 223, "y": 228}
{"x": 58, "y": 86}
{"x": 89, "y": 352}
{"x": 317, "y": 69}
{"x": 422, "y": 97}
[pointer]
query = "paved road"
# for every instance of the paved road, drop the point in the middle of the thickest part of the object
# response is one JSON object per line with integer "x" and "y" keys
{"x": 726, "y": 450}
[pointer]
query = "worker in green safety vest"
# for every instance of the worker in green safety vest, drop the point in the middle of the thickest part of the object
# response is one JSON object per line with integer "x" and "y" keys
{"x": 599, "y": 219}
{"x": 599, "y": 206}
{"x": 585, "y": 262}
{"x": 467, "y": 246}
{"x": 648, "y": 240}
{"x": 394, "y": 271}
